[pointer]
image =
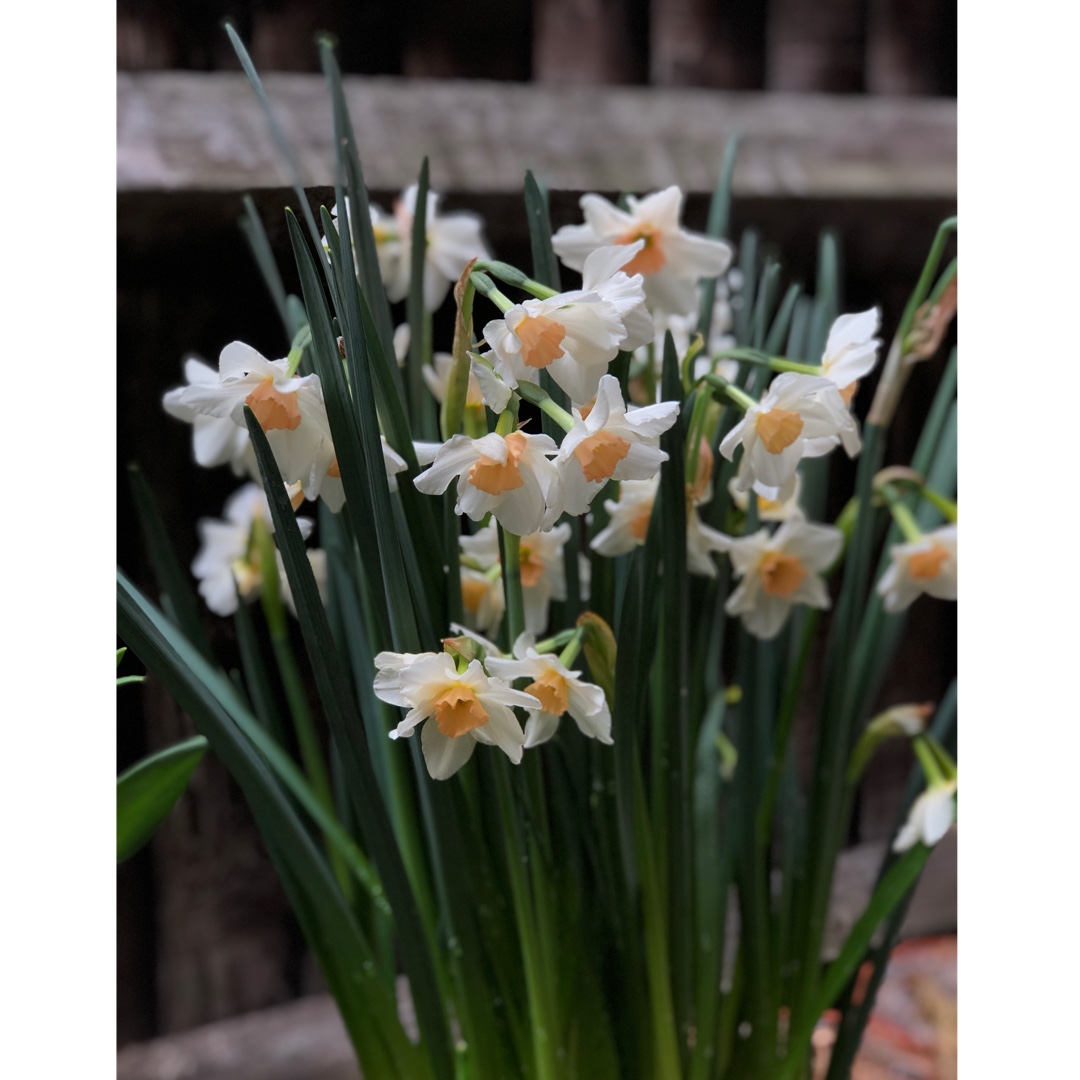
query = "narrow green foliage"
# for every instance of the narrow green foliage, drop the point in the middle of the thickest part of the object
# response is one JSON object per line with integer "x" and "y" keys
{"x": 173, "y": 581}
{"x": 717, "y": 227}
{"x": 421, "y": 404}
{"x": 331, "y": 679}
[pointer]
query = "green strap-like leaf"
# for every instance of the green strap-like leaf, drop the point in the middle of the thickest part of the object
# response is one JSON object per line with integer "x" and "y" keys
{"x": 331, "y": 678}
{"x": 173, "y": 581}
{"x": 717, "y": 227}
{"x": 368, "y": 1006}
{"x": 148, "y": 791}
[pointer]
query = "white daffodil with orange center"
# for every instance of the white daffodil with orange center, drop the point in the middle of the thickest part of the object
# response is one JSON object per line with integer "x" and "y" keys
{"x": 610, "y": 443}
{"x": 228, "y": 564}
{"x": 558, "y": 690}
{"x": 573, "y": 336}
{"x": 628, "y": 526}
{"x": 289, "y": 409}
{"x": 508, "y": 476}
{"x": 462, "y": 707}
{"x": 927, "y": 565}
{"x": 543, "y": 571}
{"x": 780, "y": 571}
{"x": 671, "y": 260}
{"x": 931, "y": 816}
{"x": 799, "y": 416}
{"x": 437, "y": 376}
{"x": 851, "y": 351}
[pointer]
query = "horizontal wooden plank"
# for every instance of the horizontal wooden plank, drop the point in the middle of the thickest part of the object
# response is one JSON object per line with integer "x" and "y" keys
{"x": 183, "y": 131}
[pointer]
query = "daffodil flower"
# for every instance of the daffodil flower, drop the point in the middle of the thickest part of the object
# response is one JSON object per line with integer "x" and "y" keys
{"x": 609, "y": 443}
{"x": 508, "y": 476}
{"x": 851, "y": 351}
{"x": 927, "y": 565}
{"x": 574, "y": 336}
{"x": 799, "y": 416}
{"x": 779, "y": 571}
{"x": 628, "y": 526}
{"x": 228, "y": 562}
{"x": 463, "y": 708}
{"x": 289, "y": 408}
{"x": 543, "y": 571}
{"x": 931, "y": 817}
{"x": 558, "y": 691}
{"x": 671, "y": 259}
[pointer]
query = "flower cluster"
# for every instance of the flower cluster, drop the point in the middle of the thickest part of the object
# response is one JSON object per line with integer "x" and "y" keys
{"x": 470, "y": 701}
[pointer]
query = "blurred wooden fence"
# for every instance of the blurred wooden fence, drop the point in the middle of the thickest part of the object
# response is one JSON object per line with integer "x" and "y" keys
{"x": 900, "y": 47}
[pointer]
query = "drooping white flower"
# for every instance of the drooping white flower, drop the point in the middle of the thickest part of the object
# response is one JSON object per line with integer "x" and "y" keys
{"x": 783, "y": 504}
{"x": 799, "y": 416}
{"x": 609, "y": 442}
{"x": 216, "y": 440}
{"x": 851, "y": 351}
{"x": 671, "y": 259}
{"x": 628, "y": 526}
{"x": 453, "y": 241}
{"x": 923, "y": 566}
{"x": 508, "y": 476}
{"x": 542, "y": 568}
{"x": 289, "y": 408}
{"x": 779, "y": 571}
{"x": 228, "y": 564}
{"x": 558, "y": 691}
{"x": 463, "y": 707}
{"x": 931, "y": 817}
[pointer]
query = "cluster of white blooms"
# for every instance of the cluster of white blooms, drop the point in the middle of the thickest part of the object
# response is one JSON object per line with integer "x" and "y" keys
{"x": 452, "y": 242}
{"x": 474, "y": 702}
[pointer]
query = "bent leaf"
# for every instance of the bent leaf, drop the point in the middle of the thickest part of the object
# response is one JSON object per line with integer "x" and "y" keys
{"x": 148, "y": 791}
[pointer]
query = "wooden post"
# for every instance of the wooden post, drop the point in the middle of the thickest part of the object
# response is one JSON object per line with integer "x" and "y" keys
{"x": 816, "y": 47}
{"x": 702, "y": 43}
{"x": 587, "y": 42}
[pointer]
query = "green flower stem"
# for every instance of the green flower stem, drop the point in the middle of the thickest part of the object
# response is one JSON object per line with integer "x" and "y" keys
{"x": 544, "y": 401}
{"x": 307, "y": 737}
{"x": 931, "y": 767}
{"x": 901, "y": 513}
{"x": 513, "y": 276}
{"x": 515, "y": 605}
{"x": 296, "y": 352}
{"x": 945, "y": 505}
{"x": 486, "y": 287}
{"x": 573, "y": 647}
{"x": 739, "y": 397}
{"x": 554, "y": 644}
{"x": 763, "y": 359}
